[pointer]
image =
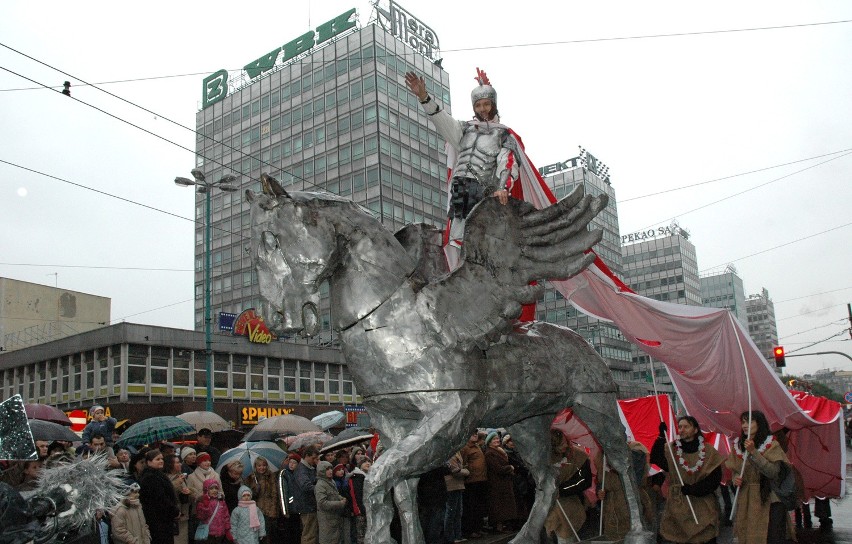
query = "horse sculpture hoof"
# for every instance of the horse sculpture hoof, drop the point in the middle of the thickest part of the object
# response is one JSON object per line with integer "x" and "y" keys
{"x": 640, "y": 537}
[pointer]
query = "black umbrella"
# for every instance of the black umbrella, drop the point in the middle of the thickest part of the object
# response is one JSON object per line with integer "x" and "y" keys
{"x": 261, "y": 435}
{"x": 49, "y": 431}
{"x": 347, "y": 437}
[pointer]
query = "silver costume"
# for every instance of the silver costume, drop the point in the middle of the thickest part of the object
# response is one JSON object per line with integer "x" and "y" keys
{"x": 436, "y": 354}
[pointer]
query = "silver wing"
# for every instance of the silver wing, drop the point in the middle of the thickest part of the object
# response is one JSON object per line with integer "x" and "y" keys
{"x": 505, "y": 249}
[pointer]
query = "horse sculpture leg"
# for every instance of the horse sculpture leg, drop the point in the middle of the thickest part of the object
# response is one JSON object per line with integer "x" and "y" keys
{"x": 420, "y": 431}
{"x": 532, "y": 439}
{"x": 598, "y": 411}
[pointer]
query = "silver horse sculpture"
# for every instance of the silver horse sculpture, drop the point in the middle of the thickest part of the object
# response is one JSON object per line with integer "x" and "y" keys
{"x": 436, "y": 354}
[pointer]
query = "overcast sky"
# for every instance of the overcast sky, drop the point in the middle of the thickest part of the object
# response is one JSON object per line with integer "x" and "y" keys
{"x": 668, "y": 94}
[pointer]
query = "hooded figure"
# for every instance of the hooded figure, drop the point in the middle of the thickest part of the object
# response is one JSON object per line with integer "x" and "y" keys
{"x": 247, "y": 523}
{"x": 128, "y": 520}
{"x": 330, "y": 506}
{"x": 212, "y": 510}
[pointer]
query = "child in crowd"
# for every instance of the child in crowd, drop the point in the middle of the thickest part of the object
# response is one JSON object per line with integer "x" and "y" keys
{"x": 128, "y": 521}
{"x": 212, "y": 510}
{"x": 247, "y": 523}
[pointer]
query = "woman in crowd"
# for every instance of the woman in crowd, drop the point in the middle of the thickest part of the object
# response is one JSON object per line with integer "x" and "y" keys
{"x": 690, "y": 460}
{"x": 760, "y": 516}
{"x": 330, "y": 506}
{"x": 288, "y": 520}
{"x": 573, "y": 478}
{"x": 231, "y": 477}
{"x": 501, "y": 493}
{"x": 262, "y": 484}
{"x": 158, "y": 499}
{"x": 188, "y": 457}
{"x": 172, "y": 468}
{"x": 356, "y": 493}
{"x": 128, "y": 520}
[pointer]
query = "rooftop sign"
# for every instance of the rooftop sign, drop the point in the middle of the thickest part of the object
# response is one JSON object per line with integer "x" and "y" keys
{"x": 215, "y": 86}
{"x": 409, "y": 29}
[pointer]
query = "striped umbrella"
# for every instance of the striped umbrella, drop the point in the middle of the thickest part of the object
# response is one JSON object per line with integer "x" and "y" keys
{"x": 153, "y": 430}
{"x": 247, "y": 452}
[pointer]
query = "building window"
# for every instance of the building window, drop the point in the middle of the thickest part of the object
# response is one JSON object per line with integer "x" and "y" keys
{"x": 136, "y": 359}
{"x": 160, "y": 365}
{"x": 181, "y": 364}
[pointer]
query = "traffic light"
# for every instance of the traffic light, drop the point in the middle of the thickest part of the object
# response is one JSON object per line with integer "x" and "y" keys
{"x": 779, "y": 356}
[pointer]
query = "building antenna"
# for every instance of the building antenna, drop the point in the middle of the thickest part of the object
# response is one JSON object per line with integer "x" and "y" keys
{"x": 56, "y": 278}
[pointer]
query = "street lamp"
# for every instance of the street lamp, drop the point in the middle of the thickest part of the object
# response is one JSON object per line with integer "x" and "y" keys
{"x": 206, "y": 188}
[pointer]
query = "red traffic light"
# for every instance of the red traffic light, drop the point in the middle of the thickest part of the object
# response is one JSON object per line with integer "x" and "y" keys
{"x": 778, "y": 351}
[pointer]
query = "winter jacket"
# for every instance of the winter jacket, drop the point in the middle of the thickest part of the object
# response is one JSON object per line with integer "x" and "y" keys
{"x": 241, "y": 523}
{"x": 304, "y": 500}
{"x": 474, "y": 459}
{"x": 265, "y": 492}
{"x": 356, "y": 492}
{"x": 159, "y": 504}
{"x": 458, "y": 472}
{"x": 221, "y": 523}
{"x": 330, "y": 507}
{"x": 128, "y": 525}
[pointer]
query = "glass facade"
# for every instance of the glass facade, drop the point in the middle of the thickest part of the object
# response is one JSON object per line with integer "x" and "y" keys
{"x": 606, "y": 338}
{"x": 762, "y": 327}
{"x": 158, "y": 373}
{"x": 663, "y": 268}
{"x": 339, "y": 120}
{"x": 725, "y": 290}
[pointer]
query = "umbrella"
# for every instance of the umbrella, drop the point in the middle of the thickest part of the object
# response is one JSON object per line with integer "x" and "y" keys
{"x": 45, "y": 412}
{"x": 287, "y": 423}
{"x": 347, "y": 437}
{"x": 206, "y": 420}
{"x": 306, "y": 439}
{"x": 329, "y": 419}
{"x": 49, "y": 431}
{"x": 247, "y": 452}
{"x": 260, "y": 435}
{"x": 154, "y": 429}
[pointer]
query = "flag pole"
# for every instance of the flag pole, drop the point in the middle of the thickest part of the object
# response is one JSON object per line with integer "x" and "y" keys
{"x": 748, "y": 435}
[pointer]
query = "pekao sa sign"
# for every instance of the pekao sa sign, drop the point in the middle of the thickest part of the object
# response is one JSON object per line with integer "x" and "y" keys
{"x": 215, "y": 86}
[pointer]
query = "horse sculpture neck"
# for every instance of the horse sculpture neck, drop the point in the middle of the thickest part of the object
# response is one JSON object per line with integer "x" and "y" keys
{"x": 370, "y": 265}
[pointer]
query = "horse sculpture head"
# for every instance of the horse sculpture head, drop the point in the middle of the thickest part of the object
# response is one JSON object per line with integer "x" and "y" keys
{"x": 292, "y": 250}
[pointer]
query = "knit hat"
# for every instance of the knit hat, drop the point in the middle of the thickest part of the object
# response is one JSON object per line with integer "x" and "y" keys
{"x": 186, "y": 451}
{"x": 490, "y": 437}
{"x": 210, "y": 482}
{"x": 131, "y": 487}
{"x": 506, "y": 438}
{"x": 95, "y": 408}
{"x": 295, "y": 456}
{"x": 322, "y": 466}
{"x": 338, "y": 467}
{"x": 243, "y": 490}
{"x": 203, "y": 456}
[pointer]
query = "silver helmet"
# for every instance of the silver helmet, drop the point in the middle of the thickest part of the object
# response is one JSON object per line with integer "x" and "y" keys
{"x": 483, "y": 90}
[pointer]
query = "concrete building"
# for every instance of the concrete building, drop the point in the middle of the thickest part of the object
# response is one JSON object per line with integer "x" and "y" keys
{"x": 724, "y": 289}
{"x": 32, "y": 314}
{"x": 605, "y": 337}
{"x": 140, "y": 371}
{"x": 762, "y": 327}
{"x": 328, "y": 111}
{"x": 660, "y": 264}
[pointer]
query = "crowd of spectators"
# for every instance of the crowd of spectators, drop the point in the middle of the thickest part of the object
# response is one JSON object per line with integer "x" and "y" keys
{"x": 485, "y": 487}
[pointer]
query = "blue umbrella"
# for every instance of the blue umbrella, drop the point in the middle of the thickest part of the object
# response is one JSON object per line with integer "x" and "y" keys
{"x": 247, "y": 452}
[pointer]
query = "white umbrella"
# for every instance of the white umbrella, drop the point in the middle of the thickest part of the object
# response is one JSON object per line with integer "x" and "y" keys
{"x": 206, "y": 420}
{"x": 329, "y": 419}
{"x": 287, "y": 423}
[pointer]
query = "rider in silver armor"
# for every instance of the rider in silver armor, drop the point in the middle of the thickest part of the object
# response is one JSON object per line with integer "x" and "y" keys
{"x": 481, "y": 152}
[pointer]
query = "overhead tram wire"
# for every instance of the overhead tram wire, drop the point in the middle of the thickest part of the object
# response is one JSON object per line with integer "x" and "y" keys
{"x": 675, "y": 216}
{"x": 779, "y": 246}
{"x": 314, "y": 185}
{"x": 507, "y": 46}
{"x": 690, "y": 186}
{"x": 220, "y": 229}
{"x": 194, "y": 131}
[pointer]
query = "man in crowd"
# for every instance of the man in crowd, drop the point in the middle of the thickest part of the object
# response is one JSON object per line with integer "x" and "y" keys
{"x": 304, "y": 500}
{"x": 97, "y": 446}
{"x": 205, "y": 437}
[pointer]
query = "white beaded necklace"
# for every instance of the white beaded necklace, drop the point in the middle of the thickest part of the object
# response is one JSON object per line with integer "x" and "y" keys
{"x": 702, "y": 453}
{"x": 762, "y": 448}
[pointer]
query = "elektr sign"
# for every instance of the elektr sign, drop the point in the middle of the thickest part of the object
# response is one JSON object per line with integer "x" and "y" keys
{"x": 215, "y": 86}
